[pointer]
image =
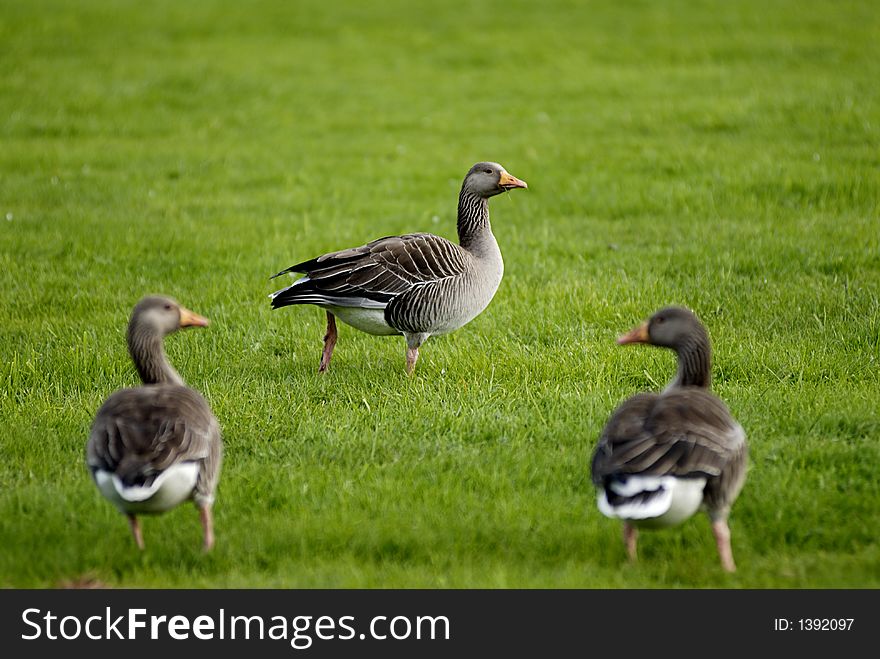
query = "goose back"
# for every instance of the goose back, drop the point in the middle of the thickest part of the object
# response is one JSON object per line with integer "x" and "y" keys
{"x": 140, "y": 433}
{"x": 684, "y": 432}
{"x": 421, "y": 282}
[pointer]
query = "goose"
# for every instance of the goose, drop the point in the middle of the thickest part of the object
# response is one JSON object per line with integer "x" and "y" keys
{"x": 661, "y": 457}
{"x": 418, "y": 284}
{"x": 155, "y": 446}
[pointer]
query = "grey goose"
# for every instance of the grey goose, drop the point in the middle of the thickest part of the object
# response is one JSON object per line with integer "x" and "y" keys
{"x": 155, "y": 446}
{"x": 661, "y": 457}
{"x": 417, "y": 284}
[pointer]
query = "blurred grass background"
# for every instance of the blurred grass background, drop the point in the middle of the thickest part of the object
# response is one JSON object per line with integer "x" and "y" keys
{"x": 718, "y": 155}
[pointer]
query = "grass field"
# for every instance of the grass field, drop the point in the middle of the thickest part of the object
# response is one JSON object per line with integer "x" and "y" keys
{"x": 725, "y": 156}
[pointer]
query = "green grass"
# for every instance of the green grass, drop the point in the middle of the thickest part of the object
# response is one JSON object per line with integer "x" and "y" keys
{"x": 725, "y": 156}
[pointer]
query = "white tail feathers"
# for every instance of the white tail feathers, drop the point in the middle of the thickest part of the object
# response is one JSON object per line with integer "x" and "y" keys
{"x": 652, "y": 500}
{"x": 171, "y": 487}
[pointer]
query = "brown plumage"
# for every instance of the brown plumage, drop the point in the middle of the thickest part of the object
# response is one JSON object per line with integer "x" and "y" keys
{"x": 154, "y": 446}
{"x": 417, "y": 284}
{"x": 661, "y": 456}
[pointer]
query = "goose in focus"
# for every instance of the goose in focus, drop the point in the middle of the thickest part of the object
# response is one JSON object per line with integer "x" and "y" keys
{"x": 661, "y": 457}
{"x": 417, "y": 284}
{"x": 155, "y": 446}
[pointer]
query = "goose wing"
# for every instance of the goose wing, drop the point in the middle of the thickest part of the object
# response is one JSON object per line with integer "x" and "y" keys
{"x": 139, "y": 433}
{"x": 685, "y": 432}
{"x": 373, "y": 274}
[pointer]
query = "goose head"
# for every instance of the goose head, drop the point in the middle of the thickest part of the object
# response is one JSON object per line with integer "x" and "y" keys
{"x": 153, "y": 318}
{"x": 671, "y": 327}
{"x": 160, "y": 315}
{"x": 487, "y": 179}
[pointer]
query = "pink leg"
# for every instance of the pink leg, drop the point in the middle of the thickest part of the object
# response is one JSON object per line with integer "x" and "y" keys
{"x": 207, "y": 526}
{"x": 413, "y": 343}
{"x": 722, "y": 539}
{"x": 412, "y": 356}
{"x": 329, "y": 343}
{"x": 630, "y": 538}
{"x": 135, "y": 525}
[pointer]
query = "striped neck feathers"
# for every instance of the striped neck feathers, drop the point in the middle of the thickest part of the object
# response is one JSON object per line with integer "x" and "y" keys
{"x": 473, "y": 219}
{"x": 694, "y": 362}
{"x": 148, "y": 354}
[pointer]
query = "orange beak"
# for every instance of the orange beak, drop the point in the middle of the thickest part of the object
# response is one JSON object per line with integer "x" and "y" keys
{"x": 635, "y": 335}
{"x": 507, "y": 182}
{"x": 191, "y": 319}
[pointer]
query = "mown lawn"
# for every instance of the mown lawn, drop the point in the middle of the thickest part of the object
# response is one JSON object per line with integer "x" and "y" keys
{"x": 725, "y": 156}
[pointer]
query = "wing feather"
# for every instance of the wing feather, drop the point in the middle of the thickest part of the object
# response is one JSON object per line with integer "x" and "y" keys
{"x": 684, "y": 432}
{"x": 138, "y": 433}
{"x": 376, "y": 272}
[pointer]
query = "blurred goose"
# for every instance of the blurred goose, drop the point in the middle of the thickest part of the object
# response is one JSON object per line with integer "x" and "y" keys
{"x": 418, "y": 284}
{"x": 155, "y": 446}
{"x": 663, "y": 456}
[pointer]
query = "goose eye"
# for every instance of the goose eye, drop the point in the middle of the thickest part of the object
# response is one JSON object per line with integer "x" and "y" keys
{"x": 660, "y": 320}
{"x": 167, "y": 307}
{"x": 488, "y": 171}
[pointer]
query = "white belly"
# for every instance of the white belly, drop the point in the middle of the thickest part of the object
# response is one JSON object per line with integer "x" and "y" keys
{"x": 460, "y": 320}
{"x": 371, "y": 321}
{"x": 171, "y": 488}
{"x": 477, "y": 302}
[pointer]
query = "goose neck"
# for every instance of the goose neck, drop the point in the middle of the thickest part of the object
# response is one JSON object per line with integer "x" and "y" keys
{"x": 473, "y": 219}
{"x": 694, "y": 363}
{"x": 148, "y": 354}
